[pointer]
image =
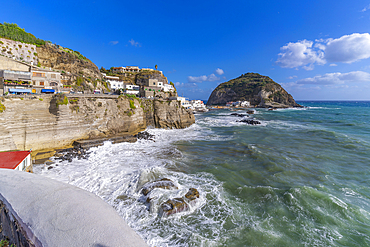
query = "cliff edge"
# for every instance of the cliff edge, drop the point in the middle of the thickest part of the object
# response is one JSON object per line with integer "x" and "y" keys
{"x": 260, "y": 91}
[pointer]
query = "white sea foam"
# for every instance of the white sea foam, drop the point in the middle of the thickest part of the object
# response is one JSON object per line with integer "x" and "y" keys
{"x": 117, "y": 172}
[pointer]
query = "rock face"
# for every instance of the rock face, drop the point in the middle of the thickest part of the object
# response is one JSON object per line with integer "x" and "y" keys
{"x": 47, "y": 122}
{"x": 260, "y": 91}
{"x": 51, "y": 56}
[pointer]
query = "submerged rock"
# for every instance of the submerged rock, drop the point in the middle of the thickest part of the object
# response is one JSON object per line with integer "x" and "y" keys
{"x": 164, "y": 183}
{"x": 250, "y": 112}
{"x": 250, "y": 121}
{"x": 177, "y": 205}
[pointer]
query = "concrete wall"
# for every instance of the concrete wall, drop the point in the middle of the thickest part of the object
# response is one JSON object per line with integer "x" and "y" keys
{"x": 39, "y": 211}
{"x": 10, "y": 64}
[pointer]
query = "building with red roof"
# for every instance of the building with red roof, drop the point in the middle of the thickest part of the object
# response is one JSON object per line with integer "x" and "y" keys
{"x": 17, "y": 160}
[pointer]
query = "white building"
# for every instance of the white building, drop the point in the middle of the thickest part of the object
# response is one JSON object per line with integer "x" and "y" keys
{"x": 114, "y": 81}
{"x": 16, "y": 160}
{"x": 168, "y": 88}
{"x": 184, "y": 102}
{"x": 132, "y": 89}
{"x": 198, "y": 105}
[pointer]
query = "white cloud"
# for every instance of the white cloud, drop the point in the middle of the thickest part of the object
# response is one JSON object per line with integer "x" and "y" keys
{"x": 366, "y": 8}
{"x": 292, "y": 77}
{"x": 333, "y": 65}
{"x": 113, "y": 42}
{"x": 299, "y": 54}
{"x": 348, "y": 48}
{"x": 134, "y": 43}
{"x": 202, "y": 78}
{"x": 306, "y": 54}
{"x": 219, "y": 71}
{"x": 337, "y": 78}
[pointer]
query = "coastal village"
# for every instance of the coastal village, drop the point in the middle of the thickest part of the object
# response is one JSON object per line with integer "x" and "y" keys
{"x": 21, "y": 75}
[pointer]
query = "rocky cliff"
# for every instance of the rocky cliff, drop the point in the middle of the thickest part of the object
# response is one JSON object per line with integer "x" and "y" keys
{"x": 47, "y": 122}
{"x": 60, "y": 58}
{"x": 260, "y": 91}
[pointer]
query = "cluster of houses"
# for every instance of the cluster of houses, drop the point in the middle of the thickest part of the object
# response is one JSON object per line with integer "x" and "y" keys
{"x": 34, "y": 81}
{"x": 148, "y": 88}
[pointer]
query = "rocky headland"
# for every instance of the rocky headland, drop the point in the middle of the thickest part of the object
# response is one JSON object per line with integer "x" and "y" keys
{"x": 261, "y": 91}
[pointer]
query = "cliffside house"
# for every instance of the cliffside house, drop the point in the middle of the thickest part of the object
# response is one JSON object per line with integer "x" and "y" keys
{"x": 121, "y": 70}
{"x": 15, "y": 82}
{"x": 184, "y": 102}
{"x": 114, "y": 81}
{"x": 132, "y": 89}
{"x": 150, "y": 92}
{"x": 132, "y": 69}
{"x": 16, "y": 160}
{"x": 45, "y": 81}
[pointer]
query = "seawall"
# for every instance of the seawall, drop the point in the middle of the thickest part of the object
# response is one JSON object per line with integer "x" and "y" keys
{"x": 55, "y": 121}
{"x": 38, "y": 211}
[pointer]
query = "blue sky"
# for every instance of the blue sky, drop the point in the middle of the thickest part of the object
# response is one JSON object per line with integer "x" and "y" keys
{"x": 317, "y": 50}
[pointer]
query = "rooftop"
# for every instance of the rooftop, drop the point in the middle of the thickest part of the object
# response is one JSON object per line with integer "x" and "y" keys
{"x": 10, "y": 160}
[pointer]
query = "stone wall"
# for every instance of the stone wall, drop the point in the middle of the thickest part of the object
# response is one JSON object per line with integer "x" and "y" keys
{"x": 45, "y": 122}
{"x": 18, "y": 50}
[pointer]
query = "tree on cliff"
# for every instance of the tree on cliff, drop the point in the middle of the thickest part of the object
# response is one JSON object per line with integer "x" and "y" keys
{"x": 156, "y": 67}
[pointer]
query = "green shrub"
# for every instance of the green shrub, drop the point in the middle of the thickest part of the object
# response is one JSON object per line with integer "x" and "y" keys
{"x": 132, "y": 104}
{"x": 41, "y": 99}
{"x": 2, "y": 107}
{"x": 62, "y": 100}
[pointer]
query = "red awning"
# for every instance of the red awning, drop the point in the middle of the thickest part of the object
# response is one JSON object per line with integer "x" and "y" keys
{"x": 10, "y": 160}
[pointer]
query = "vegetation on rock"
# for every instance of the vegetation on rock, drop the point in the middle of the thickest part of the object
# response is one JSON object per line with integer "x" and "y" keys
{"x": 14, "y": 32}
{"x": 61, "y": 100}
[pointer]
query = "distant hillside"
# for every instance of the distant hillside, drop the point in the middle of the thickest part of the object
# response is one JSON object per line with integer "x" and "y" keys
{"x": 260, "y": 91}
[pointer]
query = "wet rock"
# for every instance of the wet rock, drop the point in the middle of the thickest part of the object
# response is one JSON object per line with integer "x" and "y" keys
{"x": 177, "y": 205}
{"x": 192, "y": 194}
{"x": 144, "y": 135}
{"x": 164, "y": 183}
{"x": 250, "y": 112}
{"x": 250, "y": 121}
{"x": 70, "y": 153}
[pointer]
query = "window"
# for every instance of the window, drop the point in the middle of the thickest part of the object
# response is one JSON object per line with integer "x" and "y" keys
{"x": 36, "y": 74}
{"x": 153, "y": 83}
{"x": 41, "y": 83}
{"x": 53, "y": 76}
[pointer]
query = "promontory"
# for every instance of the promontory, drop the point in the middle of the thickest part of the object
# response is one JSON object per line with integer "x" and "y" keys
{"x": 261, "y": 91}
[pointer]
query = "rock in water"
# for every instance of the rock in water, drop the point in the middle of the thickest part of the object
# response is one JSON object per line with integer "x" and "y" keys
{"x": 260, "y": 91}
{"x": 250, "y": 121}
{"x": 192, "y": 194}
{"x": 177, "y": 205}
{"x": 164, "y": 183}
{"x": 239, "y": 115}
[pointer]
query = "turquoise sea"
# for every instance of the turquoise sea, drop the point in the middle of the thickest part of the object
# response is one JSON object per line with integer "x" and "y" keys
{"x": 301, "y": 178}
